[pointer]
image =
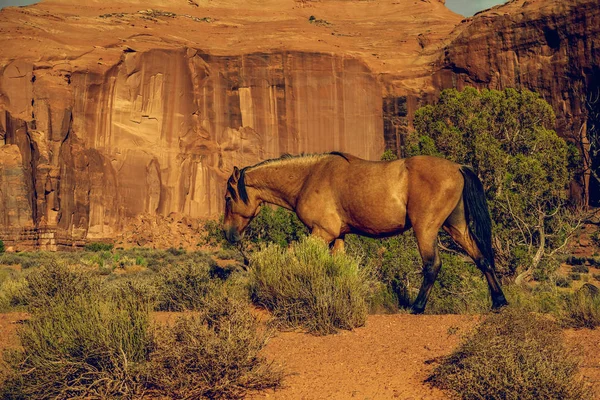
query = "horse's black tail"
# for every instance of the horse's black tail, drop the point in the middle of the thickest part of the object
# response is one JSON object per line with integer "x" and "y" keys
{"x": 477, "y": 213}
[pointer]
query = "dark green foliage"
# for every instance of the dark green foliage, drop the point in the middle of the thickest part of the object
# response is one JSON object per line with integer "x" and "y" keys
{"x": 388, "y": 155}
{"x": 595, "y": 238}
{"x": 278, "y": 226}
{"x": 512, "y": 355}
{"x": 2, "y": 249}
{"x": 507, "y": 137}
{"x": 98, "y": 246}
{"x": 582, "y": 269}
{"x": 175, "y": 252}
{"x": 575, "y": 276}
{"x": 395, "y": 262}
{"x": 574, "y": 260}
{"x": 545, "y": 269}
{"x": 213, "y": 233}
{"x": 11, "y": 258}
{"x": 563, "y": 281}
{"x": 460, "y": 287}
{"x": 306, "y": 286}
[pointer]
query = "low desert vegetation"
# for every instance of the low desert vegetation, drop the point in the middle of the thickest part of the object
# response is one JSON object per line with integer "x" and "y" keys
{"x": 211, "y": 354}
{"x": 582, "y": 308}
{"x": 90, "y": 335}
{"x": 512, "y": 355}
{"x": 306, "y": 286}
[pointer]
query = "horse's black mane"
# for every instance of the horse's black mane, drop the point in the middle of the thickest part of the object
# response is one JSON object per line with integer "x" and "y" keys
{"x": 241, "y": 185}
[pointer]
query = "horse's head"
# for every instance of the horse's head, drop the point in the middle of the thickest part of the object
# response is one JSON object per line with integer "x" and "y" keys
{"x": 240, "y": 206}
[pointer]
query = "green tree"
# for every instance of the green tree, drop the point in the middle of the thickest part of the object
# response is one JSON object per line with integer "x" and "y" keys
{"x": 507, "y": 137}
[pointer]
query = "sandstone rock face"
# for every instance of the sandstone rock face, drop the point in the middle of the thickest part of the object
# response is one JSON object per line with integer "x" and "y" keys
{"x": 114, "y": 112}
{"x": 549, "y": 47}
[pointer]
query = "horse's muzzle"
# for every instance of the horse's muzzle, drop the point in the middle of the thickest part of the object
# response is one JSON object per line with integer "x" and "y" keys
{"x": 232, "y": 235}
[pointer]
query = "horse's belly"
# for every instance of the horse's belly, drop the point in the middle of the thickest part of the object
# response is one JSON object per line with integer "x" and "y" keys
{"x": 384, "y": 221}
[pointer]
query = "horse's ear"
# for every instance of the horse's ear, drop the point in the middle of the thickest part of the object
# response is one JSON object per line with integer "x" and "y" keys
{"x": 236, "y": 173}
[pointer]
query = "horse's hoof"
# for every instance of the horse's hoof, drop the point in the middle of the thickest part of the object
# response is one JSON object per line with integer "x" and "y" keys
{"x": 416, "y": 310}
{"x": 499, "y": 306}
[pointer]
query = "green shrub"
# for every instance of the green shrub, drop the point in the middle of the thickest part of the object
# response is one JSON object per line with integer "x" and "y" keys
{"x": 508, "y": 138}
{"x": 582, "y": 308}
{"x": 230, "y": 254}
{"x": 582, "y": 269}
{"x": 13, "y": 292}
{"x": 85, "y": 346}
{"x": 575, "y": 276}
{"x": 98, "y": 246}
{"x": 563, "y": 281}
{"x": 306, "y": 286}
{"x": 211, "y": 354}
{"x": 213, "y": 234}
{"x": 2, "y": 249}
{"x": 545, "y": 269}
{"x": 395, "y": 262}
{"x": 544, "y": 298}
{"x": 574, "y": 260}
{"x": 279, "y": 226}
{"x": 11, "y": 259}
{"x": 184, "y": 287}
{"x": 56, "y": 282}
{"x": 459, "y": 288}
{"x": 595, "y": 238}
{"x": 176, "y": 252}
{"x": 512, "y": 355}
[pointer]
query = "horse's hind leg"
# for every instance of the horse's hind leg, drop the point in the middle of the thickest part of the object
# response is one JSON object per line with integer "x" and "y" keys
{"x": 456, "y": 226}
{"x": 428, "y": 248}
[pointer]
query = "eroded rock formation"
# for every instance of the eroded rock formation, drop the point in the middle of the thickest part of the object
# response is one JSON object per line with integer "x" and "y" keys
{"x": 112, "y": 113}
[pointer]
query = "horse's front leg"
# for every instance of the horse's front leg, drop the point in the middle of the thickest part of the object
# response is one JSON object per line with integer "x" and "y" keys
{"x": 336, "y": 243}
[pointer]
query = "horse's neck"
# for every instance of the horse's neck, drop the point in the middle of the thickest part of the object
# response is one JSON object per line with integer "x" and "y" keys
{"x": 279, "y": 184}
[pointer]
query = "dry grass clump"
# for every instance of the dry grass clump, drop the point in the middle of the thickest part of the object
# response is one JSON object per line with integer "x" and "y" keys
{"x": 12, "y": 290}
{"x": 305, "y": 286}
{"x": 582, "y": 308}
{"x": 56, "y": 282}
{"x": 91, "y": 337}
{"x": 512, "y": 355}
{"x": 83, "y": 346}
{"x": 184, "y": 287}
{"x": 211, "y": 354}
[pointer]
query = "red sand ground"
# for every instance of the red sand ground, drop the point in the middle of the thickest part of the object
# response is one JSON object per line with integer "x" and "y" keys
{"x": 386, "y": 359}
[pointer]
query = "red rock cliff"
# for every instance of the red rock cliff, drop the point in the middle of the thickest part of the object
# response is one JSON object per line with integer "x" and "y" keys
{"x": 109, "y": 112}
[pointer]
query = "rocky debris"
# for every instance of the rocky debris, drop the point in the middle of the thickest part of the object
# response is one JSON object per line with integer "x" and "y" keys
{"x": 158, "y": 232}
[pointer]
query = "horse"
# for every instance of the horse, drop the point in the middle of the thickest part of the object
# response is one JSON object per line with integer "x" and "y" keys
{"x": 335, "y": 194}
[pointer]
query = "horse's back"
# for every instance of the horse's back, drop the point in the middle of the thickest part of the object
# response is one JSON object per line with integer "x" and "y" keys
{"x": 378, "y": 196}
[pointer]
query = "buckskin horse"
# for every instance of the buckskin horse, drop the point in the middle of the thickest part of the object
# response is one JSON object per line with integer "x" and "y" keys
{"x": 335, "y": 193}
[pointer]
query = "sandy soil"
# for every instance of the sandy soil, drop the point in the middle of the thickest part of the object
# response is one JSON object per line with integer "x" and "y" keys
{"x": 389, "y": 358}
{"x": 386, "y": 359}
